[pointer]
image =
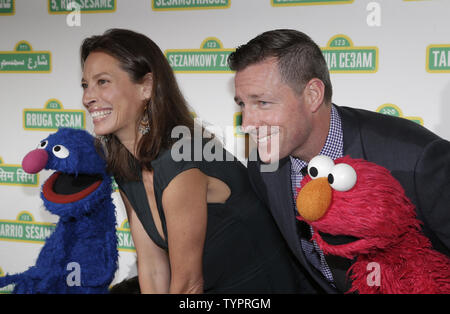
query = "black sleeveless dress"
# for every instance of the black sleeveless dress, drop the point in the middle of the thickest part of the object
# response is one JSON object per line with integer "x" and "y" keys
{"x": 244, "y": 251}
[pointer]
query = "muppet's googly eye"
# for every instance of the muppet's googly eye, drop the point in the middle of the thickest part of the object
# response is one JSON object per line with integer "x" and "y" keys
{"x": 42, "y": 145}
{"x": 60, "y": 151}
{"x": 342, "y": 177}
{"x": 320, "y": 166}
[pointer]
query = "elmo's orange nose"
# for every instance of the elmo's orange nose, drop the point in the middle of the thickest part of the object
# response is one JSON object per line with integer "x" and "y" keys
{"x": 314, "y": 199}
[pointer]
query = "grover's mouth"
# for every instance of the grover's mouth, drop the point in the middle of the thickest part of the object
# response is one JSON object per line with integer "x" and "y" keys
{"x": 65, "y": 188}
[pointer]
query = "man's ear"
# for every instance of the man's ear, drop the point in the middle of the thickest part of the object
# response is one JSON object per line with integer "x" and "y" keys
{"x": 313, "y": 93}
{"x": 147, "y": 86}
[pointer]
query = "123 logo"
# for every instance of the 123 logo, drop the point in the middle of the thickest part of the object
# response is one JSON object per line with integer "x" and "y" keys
{"x": 25, "y": 229}
{"x": 343, "y": 57}
{"x": 24, "y": 60}
{"x": 52, "y": 117}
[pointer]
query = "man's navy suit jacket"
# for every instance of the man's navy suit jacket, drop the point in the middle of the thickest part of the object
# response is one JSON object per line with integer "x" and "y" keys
{"x": 416, "y": 157}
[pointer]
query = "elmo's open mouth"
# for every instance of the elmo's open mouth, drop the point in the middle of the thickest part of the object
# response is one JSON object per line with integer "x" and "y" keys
{"x": 65, "y": 188}
{"x": 340, "y": 245}
{"x": 337, "y": 239}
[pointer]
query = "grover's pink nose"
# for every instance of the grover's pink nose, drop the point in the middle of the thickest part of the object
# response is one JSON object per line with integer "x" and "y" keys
{"x": 35, "y": 161}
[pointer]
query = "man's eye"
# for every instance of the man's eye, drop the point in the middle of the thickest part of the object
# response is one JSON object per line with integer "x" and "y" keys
{"x": 84, "y": 85}
{"x": 101, "y": 82}
{"x": 241, "y": 104}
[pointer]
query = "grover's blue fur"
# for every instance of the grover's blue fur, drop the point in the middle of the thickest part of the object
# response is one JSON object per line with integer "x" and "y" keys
{"x": 85, "y": 233}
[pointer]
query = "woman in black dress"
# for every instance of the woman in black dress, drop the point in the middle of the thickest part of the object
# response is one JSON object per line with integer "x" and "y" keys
{"x": 196, "y": 224}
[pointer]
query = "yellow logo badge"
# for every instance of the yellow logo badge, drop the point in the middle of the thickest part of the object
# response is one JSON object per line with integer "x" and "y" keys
{"x": 210, "y": 58}
{"x": 53, "y": 117}
{"x": 343, "y": 57}
{"x": 124, "y": 239}
{"x": 24, "y": 60}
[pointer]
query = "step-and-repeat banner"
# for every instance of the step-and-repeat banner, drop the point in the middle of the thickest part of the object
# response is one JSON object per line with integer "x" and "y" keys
{"x": 390, "y": 56}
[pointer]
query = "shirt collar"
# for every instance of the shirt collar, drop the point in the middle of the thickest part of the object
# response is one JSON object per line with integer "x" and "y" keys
{"x": 334, "y": 144}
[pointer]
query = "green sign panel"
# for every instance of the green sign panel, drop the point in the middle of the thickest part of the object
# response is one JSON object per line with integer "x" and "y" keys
{"x": 25, "y": 229}
{"x": 342, "y": 57}
{"x": 7, "y": 7}
{"x": 210, "y": 58}
{"x": 84, "y": 6}
{"x": 438, "y": 58}
{"x": 277, "y": 3}
{"x": 161, "y": 5}
{"x": 124, "y": 239}
{"x": 24, "y": 60}
{"x": 53, "y": 117}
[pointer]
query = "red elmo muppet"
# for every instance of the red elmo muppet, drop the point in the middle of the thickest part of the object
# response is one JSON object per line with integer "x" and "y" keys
{"x": 357, "y": 198}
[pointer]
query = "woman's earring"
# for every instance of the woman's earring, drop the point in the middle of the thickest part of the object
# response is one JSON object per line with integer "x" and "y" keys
{"x": 144, "y": 125}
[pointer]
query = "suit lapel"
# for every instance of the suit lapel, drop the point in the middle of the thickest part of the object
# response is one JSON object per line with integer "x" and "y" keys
{"x": 279, "y": 193}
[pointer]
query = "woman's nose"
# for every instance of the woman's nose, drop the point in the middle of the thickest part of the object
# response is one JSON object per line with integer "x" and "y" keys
{"x": 89, "y": 97}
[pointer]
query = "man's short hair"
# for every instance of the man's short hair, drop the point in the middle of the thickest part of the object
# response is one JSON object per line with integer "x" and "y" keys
{"x": 299, "y": 58}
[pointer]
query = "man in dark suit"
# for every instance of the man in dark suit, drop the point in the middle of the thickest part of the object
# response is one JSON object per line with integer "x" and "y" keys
{"x": 283, "y": 86}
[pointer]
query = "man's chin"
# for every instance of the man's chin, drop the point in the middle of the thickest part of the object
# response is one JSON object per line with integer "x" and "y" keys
{"x": 270, "y": 162}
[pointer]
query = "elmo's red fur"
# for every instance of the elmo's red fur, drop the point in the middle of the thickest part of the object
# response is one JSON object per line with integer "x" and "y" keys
{"x": 377, "y": 212}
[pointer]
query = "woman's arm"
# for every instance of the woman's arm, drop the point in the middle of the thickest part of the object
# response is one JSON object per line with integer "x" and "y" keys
{"x": 152, "y": 261}
{"x": 184, "y": 203}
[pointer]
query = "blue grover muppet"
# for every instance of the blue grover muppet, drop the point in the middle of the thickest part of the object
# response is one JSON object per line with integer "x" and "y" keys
{"x": 84, "y": 240}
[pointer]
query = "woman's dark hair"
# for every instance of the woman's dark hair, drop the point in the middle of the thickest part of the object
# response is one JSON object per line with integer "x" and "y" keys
{"x": 299, "y": 58}
{"x": 138, "y": 55}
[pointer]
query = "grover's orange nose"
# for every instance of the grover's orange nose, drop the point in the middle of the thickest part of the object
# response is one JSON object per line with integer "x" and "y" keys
{"x": 314, "y": 199}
